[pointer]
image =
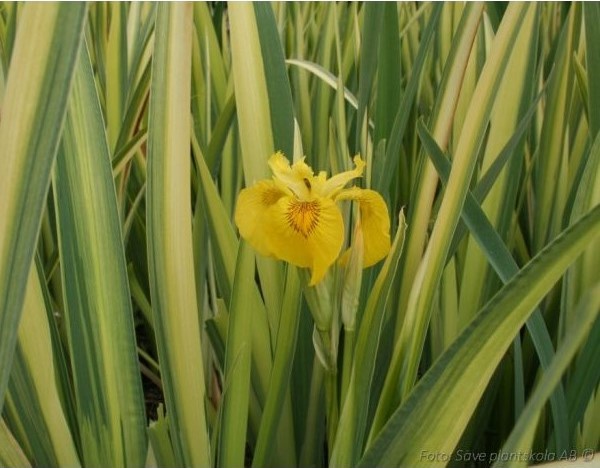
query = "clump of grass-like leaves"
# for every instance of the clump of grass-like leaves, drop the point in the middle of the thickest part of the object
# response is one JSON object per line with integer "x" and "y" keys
{"x": 299, "y": 234}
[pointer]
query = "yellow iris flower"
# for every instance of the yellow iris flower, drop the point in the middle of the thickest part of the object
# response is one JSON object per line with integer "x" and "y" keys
{"x": 294, "y": 217}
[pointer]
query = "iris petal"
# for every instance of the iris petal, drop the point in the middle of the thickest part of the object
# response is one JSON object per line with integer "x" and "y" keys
{"x": 375, "y": 222}
{"x": 338, "y": 181}
{"x": 293, "y": 177}
{"x": 251, "y": 209}
{"x": 294, "y": 217}
{"x": 305, "y": 233}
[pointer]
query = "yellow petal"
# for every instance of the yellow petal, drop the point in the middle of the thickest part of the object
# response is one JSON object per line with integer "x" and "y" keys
{"x": 375, "y": 222}
{"x": 338, "y": 181}
{"x": 297, "y": 178}
{"x": 305, "y": 233}
{"x": 250, "y": 212}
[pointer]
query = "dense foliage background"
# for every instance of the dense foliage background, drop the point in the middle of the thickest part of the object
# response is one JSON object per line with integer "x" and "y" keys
{"x": 136, "y": 328}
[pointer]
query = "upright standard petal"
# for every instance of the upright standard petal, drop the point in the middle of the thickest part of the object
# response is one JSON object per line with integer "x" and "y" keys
{"x": 252, "y": 207}
{"x": 296, "y": 178}
{"x": 375, "y": 222}
{"x": 331, "y": 186}
{"x": 305, "y": 233}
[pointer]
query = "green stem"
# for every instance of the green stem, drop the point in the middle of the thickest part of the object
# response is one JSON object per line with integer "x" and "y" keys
{"x": 308, "y": 453}
{"x": 347, "y": 363}
{"x": 331, "y": 400}
{"x": 331, "y": 390}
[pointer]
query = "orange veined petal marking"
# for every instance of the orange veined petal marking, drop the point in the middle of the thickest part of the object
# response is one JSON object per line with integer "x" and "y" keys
{"x": 303, "y": 216}
{"x": 270, "y": 194}
{"x": 305, "y": 233}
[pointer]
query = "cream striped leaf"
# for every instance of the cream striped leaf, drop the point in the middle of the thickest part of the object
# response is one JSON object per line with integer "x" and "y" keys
{"x": 33, "y": 401}
{"x": 170, "y": 251}
{"x": 99, "y": 315}
{"x": 33, "y": 110}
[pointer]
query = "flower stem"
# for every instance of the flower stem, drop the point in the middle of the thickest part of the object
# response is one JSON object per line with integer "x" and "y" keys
{"x": 308, "y": 452}
{"x": 331, "y": 400}
{"x": 331, "y": 388}
{"x": 347, "y": 363}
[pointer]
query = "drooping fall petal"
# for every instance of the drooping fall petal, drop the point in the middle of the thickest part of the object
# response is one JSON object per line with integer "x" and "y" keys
{"x": 305, "y": 233}
{"x": 252, "y": 207}
{"x": 375, "y": 222}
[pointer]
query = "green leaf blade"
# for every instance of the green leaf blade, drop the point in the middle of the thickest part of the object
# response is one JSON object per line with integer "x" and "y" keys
{"x": 34, "y": 406}
{"x": 170, "y": 250}
{"x": 99, "y": 314}
{"x": 33, "y": 113}
{"x": 236, "y": 396}
{"x": 427, "y": 423}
